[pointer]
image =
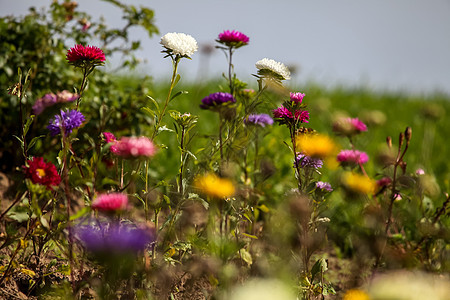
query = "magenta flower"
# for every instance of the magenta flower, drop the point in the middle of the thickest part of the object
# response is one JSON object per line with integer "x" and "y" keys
{"x": 283, "y": 113}
{"x": 110, "y": 202}
{"x": 352, "y": 156}
{"x": 67, "y": 120}
{"x": 110, "y": 138}
{"x": 297, "y": 97}
{"x": 134, "y": 147}
{"x": 216, "y": 99}
{"x": 385, "y": 181}
{"x": 89, "y": 56}
{"x": 349, "y": 126}
{"x": 233, "y": 38}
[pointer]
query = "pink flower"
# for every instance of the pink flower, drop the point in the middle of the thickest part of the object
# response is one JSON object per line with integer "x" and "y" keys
{"x": 110, "y": 202}
{"x": 282, "y": 112}
{"x": 135, "y": 147}
{"x": 349, "y": 126}
{"x": 81, "y": 56}
{"x": 385, "y": 181}
{"x": 420, "y": 171}
{"x": 352, "y": 156}
{"x": 297, "y": 97}
{"x": 110, "y": 138}
{"x": 233, "y": 38}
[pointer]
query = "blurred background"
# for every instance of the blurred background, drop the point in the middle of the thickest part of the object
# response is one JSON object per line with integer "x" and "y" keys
{"x": 398, "y": 45}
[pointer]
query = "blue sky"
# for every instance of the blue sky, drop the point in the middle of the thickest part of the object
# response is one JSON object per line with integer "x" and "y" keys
{"x": 383, "y": 44}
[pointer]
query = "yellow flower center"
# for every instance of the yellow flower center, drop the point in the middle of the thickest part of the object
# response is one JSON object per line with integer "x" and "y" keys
{"x": 317, "y": 146}
{"x": 40, "y": 173}
{"x": 215, "y": 186}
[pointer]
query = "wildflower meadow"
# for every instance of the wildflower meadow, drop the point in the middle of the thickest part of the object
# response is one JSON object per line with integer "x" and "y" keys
{"x": 123, "y": 186}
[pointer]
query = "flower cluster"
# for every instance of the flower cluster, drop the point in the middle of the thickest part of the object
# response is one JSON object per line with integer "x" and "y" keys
{"x": 349, "y": 126}
{"x": 352, "y": 157}
{"x": 114, "y": 238}
{"x": 272, "y": 69}
{"x": 304, "y": 161}
{"x": 41, "y": 172}
{"x": 259, "y": 119}
{"x": 215, "y": 186}
{"x": 216, "y": 100}
{"x": 134, "y": 147}
{"x": 110, "y": 202}
{"x": 180, "y": 44}
{"x": 285, "y": 115}
{"x": 66, "y": 120}
{"x": 85, "y": 56}
{"x": 51, "y": 99}
{"x": 233, "y": 38}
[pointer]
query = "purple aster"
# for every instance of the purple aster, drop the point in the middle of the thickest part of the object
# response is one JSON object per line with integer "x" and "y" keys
{"x": 68, "y": 120}
{"x": 297, "y": 97}
{"x": 216, "y": 99}
{"x": 259, "y": 119}
{"x": 114, "y": 238}
{"x": 325, "y": 186}
{"x": 305, "y": 161}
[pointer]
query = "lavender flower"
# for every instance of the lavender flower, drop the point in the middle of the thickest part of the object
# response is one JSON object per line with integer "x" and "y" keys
{"x": 259, "y": 119}
{"x": 68, "y": 120}
{"x": 215, "y": 99}
{"x": 51, "y": 99}
{"x": 304, "y": 161}
{"x": 113, "y": 238}
{"x": 325, "y": 186}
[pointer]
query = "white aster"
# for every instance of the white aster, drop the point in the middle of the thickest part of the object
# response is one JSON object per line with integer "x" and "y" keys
{"x": 180, "y": 43}
{"x": 278, "y": 68}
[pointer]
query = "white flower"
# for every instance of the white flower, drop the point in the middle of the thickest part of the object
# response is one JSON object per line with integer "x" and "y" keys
{"x": 179, "y": 43}
{"x": 278, "y": 68}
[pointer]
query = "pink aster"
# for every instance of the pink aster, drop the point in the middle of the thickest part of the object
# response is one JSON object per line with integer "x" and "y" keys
{"x": 110, "y": 138}
{"x": 297, "y": 97}
{"x": 110, "y": 202}
{"x": 302, "y": 116}
{"x": 282, "y": 112}
{"x": 349, "y": 126}
{"x": 353, "y": 156}
{"x": 357, "y": 124}
{"x": 81, "y": 56}
{"x": 233, "y": 38}
{"x": 135, "y": 147}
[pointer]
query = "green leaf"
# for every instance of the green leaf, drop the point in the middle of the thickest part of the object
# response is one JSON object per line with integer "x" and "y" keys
{"x": 34, "y": 140}
{"x": 250, "y": 236}
{"x": 178, "y": 94}
{"x": 27, "y": 125}
{"x": 246, "y": 256}
{"x": 153, "y": 101}
{"x": 177, "y": 79}
{"x": 80, "y": 213}
{"x": 319, "y": 267}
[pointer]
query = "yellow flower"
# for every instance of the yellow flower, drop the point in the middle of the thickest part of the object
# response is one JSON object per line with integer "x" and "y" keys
{"x": 359, "y": 183}
{"x": 316, "y": 145}
{"x": 356, "y": 295}
{"x": 214, "y": 186}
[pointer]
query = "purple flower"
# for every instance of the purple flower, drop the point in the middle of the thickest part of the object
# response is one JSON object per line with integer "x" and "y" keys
{"x": 68, "y": 120}
{"x": 307, "y": 162}
{"x": 52, "y": 99}
{"x": 216, "y": 99}
{"x": 113, "y": 238}
{"x": 325, "y": 186}
{"x": 259, "y": 119}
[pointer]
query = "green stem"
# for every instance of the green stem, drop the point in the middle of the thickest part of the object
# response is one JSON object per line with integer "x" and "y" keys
{"x": 175, "y": 62}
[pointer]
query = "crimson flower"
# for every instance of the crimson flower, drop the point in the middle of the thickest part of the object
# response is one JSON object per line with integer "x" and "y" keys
{"x": 41, "y": 172}
{"x": 82, "y": 57}
{"x": 110, "y": 202}
{"x": 233, "y": 38}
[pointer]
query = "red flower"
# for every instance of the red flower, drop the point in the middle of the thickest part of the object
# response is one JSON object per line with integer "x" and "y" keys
{"x": 42, "y": 172}
{"x": 81, "y": 56}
